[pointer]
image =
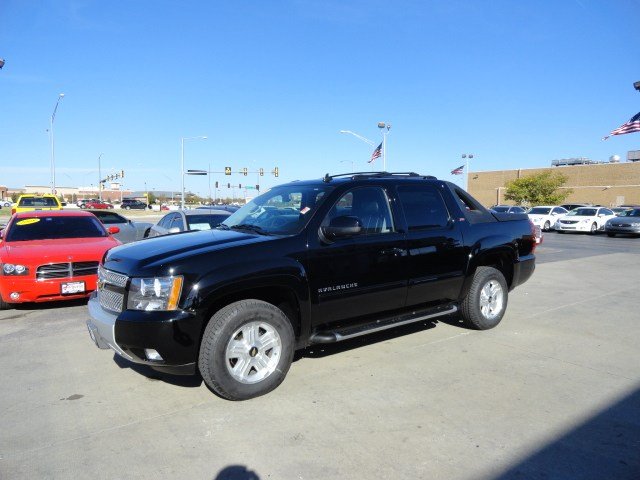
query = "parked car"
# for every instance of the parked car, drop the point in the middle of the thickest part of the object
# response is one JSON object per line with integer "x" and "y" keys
{"x": 6, "y": 203}
{"x": 128, "y": 230}
{"x": 309, "y": 262}
{"x": 186, "y": 220}
{"x": 619, "y": 210}
{"x": 51, "y": 256}
{"x": 544, "y": 216}
{"x": 626, "y": 222}
{"x": 584, "y": 219}
{"x": 96, "y": 205}
{"x": 508, "y": 209}
{"x": 29, "y": 202}
{"x": 571, "y": 206}
{"x": 133, "y": 204}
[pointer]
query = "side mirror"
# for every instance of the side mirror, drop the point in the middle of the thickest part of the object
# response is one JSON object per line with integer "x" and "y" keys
{"x": 344, "y": 226}
{"x": 1, "y": 233}
{"x": 174, "y": 230}
{"x": 113, "y": 230}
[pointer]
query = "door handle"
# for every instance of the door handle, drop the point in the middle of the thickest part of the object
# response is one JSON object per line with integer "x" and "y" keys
{"x": 395, "y": 252}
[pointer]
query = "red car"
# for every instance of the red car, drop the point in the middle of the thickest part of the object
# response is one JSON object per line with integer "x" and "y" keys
{"x": 52, "y": 255}
{"x": 96, "y": 204}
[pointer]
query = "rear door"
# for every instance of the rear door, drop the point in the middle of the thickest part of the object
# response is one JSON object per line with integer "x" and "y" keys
{"x": 436, "y": 259}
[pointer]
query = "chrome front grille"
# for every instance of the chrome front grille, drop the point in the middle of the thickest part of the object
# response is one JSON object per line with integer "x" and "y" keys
{"x": 569, "y": 222}
{"x": 112, "y": 278}
{"x": 66, "y": 270}
{"x": 110, "y": 300}
{"x": 111, "y": 289}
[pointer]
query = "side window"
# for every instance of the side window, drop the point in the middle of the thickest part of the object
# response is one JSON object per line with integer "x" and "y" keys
{"x": 369, "y": 205}
{"x": 606, "y": 211}
{"x": 177, "y": 222}
{"x": 518, "y": 210}
{"x": 423, "y": 207}
{"x": 166, "y": 221}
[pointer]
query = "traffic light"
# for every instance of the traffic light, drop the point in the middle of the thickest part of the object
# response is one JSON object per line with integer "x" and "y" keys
{"x": 239, "y": 185}
{"x": 122, "y": 173}
{"x": 227, "y": 170}
{"x": 262, "y": 172}
{"x": 276, "y": 172}
{"x": 216, "y": 184}
{"x": 258, "y": 186}
{"x": 228, "y": 185}
{"x": 244, "y": 171}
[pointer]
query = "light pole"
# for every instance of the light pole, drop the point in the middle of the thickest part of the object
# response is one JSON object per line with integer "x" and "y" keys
{"x": 466, "y": 157}
{"x": 384, "y": 127}
{"x": 99, "y": 178}
{"x": 182, "y": 164}
{"x": 359, "y": 137}
{"x": 53, "y": 155}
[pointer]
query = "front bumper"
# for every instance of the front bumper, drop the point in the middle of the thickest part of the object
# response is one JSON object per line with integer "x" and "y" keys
{"x": 174, "y": 335}
{"x": 574, "y": 227}
{"x": 621, "y": 229}
{"x": 31, "y": 290}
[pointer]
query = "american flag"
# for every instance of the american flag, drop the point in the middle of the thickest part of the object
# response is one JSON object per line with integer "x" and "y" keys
{"x": 376, "y": 153}
{"x": 457, "y": 171}
{"x": 631, "y": 126}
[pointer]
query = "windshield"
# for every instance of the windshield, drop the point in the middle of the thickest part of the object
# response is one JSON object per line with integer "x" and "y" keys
{"x": 52, "y": 228}
{"x": 283, "y": 210}
{"x": 582, "y": 212}
{"x": 500, "y": 209}
{"x": 205, "y": 221}
{"x": 630, "y": 213}
{"x": 540, "y": 210}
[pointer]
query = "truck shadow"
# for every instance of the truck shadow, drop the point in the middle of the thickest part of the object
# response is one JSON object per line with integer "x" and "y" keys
{"x": 191, "y": 381}
{"x": 327, "y": 349}
{"x": 50, "y": 305}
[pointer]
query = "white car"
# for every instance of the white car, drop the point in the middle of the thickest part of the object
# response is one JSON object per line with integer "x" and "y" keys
{"x": 545, "y": 216}
{"x": 584, "y": 219}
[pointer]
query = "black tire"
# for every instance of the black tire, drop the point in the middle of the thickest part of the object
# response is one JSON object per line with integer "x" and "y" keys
{"x": 128, "y": 207}
{"x": 4, "y": 305}
{"x": 559, "y": 231}
{"x": 594, "y": 228}
{"x": 472, "y": 313}
{"x": 547, "y": 226}
{"x": 215, "y": 364}
{"x": 609, "y": 234}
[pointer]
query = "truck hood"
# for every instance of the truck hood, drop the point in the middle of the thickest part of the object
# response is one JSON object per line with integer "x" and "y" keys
{"x": 140, "y": 258}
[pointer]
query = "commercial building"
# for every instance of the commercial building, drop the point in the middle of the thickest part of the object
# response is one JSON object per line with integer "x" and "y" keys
{"x": 609, "y": 184}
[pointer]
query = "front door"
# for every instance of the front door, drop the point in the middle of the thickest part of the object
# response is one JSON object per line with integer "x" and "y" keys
{"x": 363, "y": 274}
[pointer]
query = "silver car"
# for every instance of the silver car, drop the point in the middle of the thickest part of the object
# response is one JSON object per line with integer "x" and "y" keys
{"x": 129, "y": 231}
{"x": 626, "y": 222}
{"x": 187, "y": 220}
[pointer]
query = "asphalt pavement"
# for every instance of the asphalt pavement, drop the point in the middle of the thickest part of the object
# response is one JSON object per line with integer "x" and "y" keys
{"x": 552, "y": 393}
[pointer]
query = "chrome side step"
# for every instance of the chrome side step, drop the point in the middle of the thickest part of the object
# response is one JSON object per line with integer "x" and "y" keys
{"x": 346, "y": 333}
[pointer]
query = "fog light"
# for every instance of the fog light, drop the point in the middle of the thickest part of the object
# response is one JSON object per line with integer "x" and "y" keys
{"x": 152, "y": 355}
{"x": 14, "y": 296}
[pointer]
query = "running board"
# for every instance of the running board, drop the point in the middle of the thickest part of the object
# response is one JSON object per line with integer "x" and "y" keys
{"x": 346, "y": 333}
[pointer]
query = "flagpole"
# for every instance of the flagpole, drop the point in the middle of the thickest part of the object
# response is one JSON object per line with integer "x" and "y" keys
{"x": 385, "y": 127}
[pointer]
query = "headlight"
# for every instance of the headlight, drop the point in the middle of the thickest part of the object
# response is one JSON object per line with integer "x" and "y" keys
{"x": 160, "y": 293}
{"x": 586, "y": 220}
{"x": 636, "y": 224}
{"x": 14, "y": 269}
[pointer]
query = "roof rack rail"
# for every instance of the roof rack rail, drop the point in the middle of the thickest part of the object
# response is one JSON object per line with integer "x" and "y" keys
{"x": 363, "y": 175}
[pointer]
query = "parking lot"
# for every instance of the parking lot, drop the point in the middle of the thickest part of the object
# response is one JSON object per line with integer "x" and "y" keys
{"x": 553, "y": 392}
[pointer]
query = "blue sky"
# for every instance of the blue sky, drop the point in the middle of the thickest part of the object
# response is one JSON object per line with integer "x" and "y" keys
{"x": 517, "y": 84}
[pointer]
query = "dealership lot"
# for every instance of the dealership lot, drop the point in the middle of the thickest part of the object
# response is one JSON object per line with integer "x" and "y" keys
{"x": 552, "y": 392}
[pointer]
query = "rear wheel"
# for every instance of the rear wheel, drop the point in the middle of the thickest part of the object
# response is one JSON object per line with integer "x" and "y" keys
{"x": 246, "y": 350}
{"x": 486, "y": 301}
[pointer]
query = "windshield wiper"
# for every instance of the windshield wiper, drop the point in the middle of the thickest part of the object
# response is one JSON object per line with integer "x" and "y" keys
{"x": 251, "y": 228}
{"x": 222, "y": 226}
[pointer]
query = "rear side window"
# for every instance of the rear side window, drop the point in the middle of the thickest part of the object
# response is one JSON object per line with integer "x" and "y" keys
{"x": 423, "y": 207}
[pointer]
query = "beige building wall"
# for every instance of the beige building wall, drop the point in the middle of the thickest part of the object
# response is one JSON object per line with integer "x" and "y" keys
{"x": 607, "y": 184}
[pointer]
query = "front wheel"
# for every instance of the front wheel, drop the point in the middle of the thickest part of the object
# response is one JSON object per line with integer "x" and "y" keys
{"x": 609, "y": 234}
{"x": 547, "y": 226}
{"x": 486, "y": 301}
{"x": 246, "y": 350}
{"x": 4, "y": 305}
{"x": 593, "y": 229}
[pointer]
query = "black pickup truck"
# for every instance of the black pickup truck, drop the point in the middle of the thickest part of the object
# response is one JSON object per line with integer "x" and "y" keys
{"x": 308, "y": 262}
